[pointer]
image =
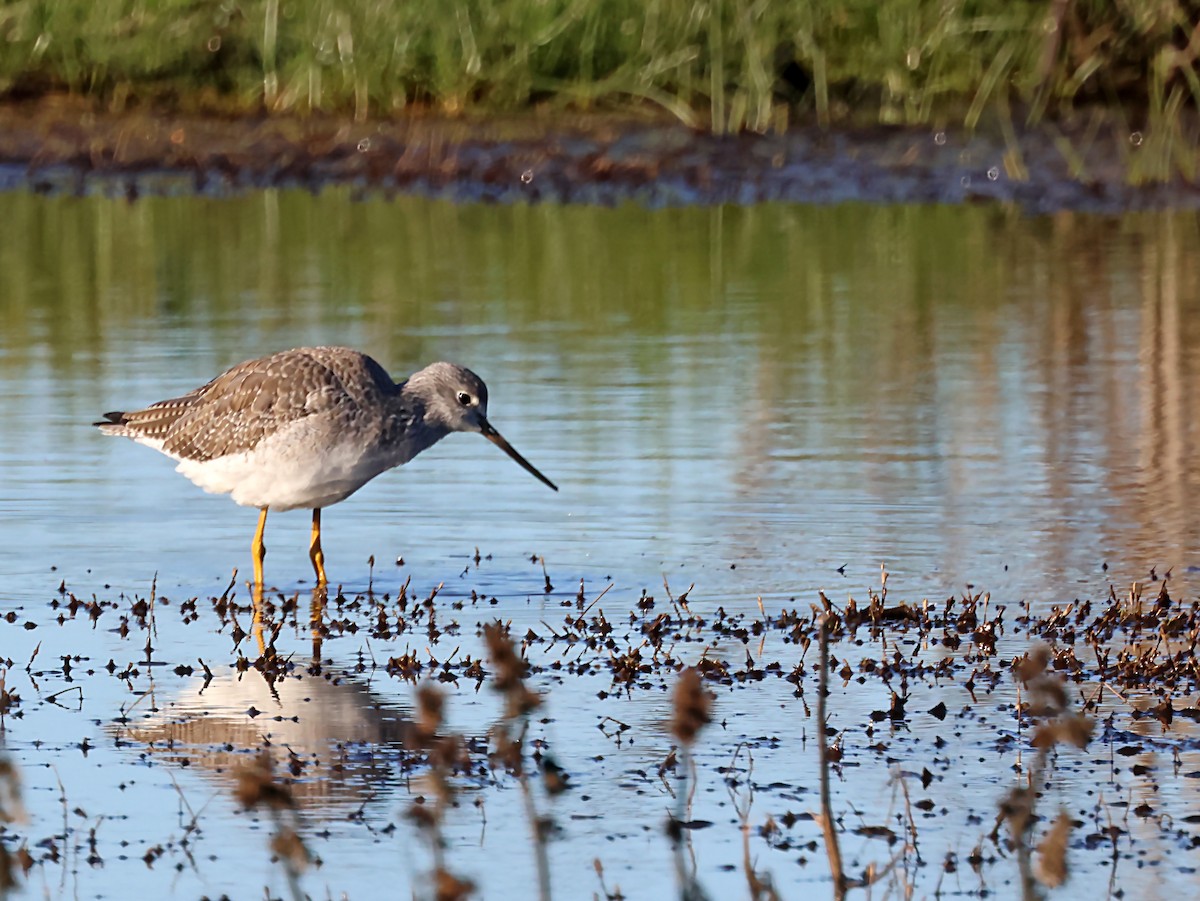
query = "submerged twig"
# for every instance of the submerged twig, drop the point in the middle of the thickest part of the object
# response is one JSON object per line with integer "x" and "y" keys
{"x": 825, "y": 815}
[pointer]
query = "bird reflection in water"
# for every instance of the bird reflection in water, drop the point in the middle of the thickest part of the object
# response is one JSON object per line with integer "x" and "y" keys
{"x": 341, "y": 744}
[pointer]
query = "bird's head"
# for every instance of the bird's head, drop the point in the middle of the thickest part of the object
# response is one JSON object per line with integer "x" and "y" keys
{"x": 456, "y": 400}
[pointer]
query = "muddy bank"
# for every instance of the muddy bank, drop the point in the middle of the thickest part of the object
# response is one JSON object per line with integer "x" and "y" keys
{"x": 572, "y": 159}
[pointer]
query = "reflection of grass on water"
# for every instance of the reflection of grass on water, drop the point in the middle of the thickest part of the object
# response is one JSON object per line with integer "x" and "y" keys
{"x": 729, "y": 65}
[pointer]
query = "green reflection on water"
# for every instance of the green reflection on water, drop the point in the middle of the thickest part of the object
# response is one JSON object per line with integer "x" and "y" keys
{"x": 413, "y": 264}
{"x": 863, "y": 292}
{"x": 860, "y": 287}
{"x": 947, "y": 360}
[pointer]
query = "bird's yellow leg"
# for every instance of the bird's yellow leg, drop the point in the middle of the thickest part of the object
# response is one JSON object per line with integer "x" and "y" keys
{"x": 315, "y": 553}
{"x": 257, "y": 548}
{"x": 257, "y": 628}
{"x": 317, "y": 621}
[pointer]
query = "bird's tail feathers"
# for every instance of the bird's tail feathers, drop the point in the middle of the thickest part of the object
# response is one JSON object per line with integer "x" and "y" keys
{"x": 116, "y": 423}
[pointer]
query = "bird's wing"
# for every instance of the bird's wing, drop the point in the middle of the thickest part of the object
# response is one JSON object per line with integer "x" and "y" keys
{"x": 241, "y": 407}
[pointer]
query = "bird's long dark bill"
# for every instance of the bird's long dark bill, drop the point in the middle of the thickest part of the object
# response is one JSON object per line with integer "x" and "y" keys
{"x": 497, "y": 439}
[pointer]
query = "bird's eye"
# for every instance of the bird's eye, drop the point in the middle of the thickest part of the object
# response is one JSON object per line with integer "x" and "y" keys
{"x": 464, "y": 399}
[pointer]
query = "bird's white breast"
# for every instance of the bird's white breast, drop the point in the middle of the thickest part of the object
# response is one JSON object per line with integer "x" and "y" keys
{"x": 306, "y": 464}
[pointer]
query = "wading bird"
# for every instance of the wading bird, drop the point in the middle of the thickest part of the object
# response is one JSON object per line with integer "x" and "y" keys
{"x": 306, "y": 428}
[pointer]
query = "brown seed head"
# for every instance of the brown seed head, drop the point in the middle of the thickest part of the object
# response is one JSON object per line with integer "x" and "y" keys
{"x": 1075, "y": 729}
{"x": 510, "y": 669}
{"x": 1033, "y": 664}
{"x": 451, "y": 888}
{"x": 256, "y": 785}
{"x": 287, "y": 845}
{"x": 1017, "y": 811}
{"x": 692, "y": 707}
{"x": 11, "y": 809}
{"x": 430, "y": 706}
{"x": 1047, "y": 696}
{"x": 1052, "y": 852}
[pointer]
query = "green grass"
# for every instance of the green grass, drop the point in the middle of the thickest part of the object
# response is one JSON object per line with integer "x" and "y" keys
{"x": 724, "y": 65}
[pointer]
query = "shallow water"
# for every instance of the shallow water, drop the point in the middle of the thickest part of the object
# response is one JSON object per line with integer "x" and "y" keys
{"x": 764, "y": 401}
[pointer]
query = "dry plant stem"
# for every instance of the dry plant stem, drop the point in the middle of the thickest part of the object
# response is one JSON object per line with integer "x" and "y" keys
{"x": 912, "y": 823}
{"x": 1054, "y": 724}
{"x": 192, "y": 825}
{"x": 429, "y": 722}
{"x": 535, "y": 825}
{"x": 760, "y": 888}
{"x": 692, "y": 711}
{"x": 1037, "y": 776}
{"x": 1029, "y": 889}
{"x": 519, "y": 701}
{"x": 436, "y": 845}
{"x": 289, "y": 866}
{"x": 689, "y": 888}
{"x": 11, "y": 811}
{"x": 832, "y": 848}
{"x": 539, "y": 841}
{"x": 680, "y": 815}
{"x": 743, "y": 812}
{"x": 588, "y": 608}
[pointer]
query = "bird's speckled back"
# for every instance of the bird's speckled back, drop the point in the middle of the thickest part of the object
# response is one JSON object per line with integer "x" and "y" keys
{"x": 253, "y": 400}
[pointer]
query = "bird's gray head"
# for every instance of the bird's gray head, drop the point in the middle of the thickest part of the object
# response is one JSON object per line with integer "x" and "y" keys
{"x": 455, "y": 400}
